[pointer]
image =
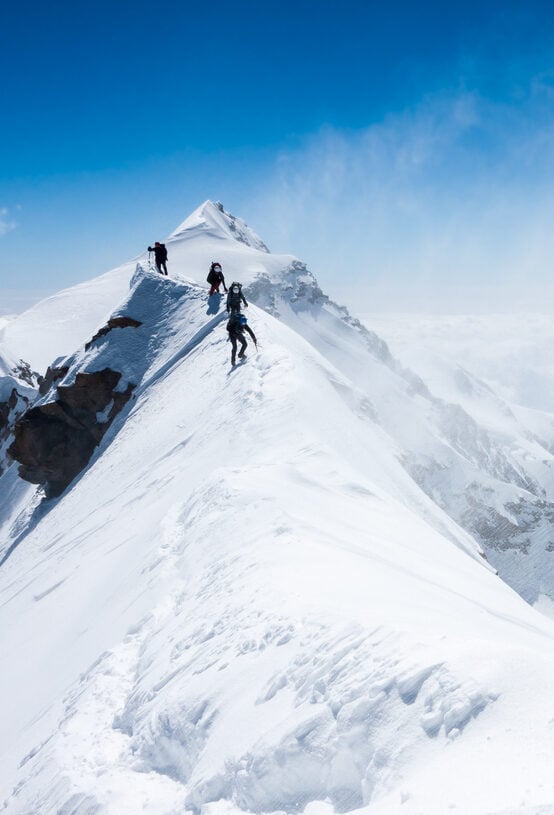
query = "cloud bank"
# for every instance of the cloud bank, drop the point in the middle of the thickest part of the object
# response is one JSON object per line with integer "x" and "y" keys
{"x": 448, "y": 206}
{"x": 6, "y": 222}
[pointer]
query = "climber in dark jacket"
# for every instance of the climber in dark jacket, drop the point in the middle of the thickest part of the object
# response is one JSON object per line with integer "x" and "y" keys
{"x": 215, "y": 278}
{"x": 235, "y": 297}
{"x": 160, "y": 253}
{"x": 236, "y": 326}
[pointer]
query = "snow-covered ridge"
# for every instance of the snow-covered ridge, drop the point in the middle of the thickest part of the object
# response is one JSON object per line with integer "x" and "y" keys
{"x": 82, "y": 395}
{"x": 255, "y": 597}
{"x": 5, "y": 319}
{"x": 211, "y": 219}
{"x": 483, "y": 467}
{"x": 475, "y": 458}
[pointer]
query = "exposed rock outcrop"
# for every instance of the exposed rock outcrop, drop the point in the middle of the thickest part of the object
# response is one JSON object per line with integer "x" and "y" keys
{"x": 55, "y": 440}
{"x": 18, "y": 389}
{"x": 52, "y": 375}
{"x": 114, "y": 322}
{"x": 22, "y": 370}
{"x": 10, "y": 410}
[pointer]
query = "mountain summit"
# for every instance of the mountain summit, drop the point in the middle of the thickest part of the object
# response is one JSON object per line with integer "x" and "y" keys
{"x": 280, "y": 587}
{"x": 212, "y": 221}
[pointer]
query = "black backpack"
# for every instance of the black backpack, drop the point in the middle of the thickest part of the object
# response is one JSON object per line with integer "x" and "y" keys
{"x": 234, "y": 325}
{"x": 235, "y": 297}
{"x": 213, "y": 275}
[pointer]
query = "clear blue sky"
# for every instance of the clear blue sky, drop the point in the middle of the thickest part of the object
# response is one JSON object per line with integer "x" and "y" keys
{"x": 381, "y": 142}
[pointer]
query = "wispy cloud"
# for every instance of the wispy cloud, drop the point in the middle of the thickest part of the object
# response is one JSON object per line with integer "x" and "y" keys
{"x": 453, "y": 196}
{"x": 6, "y": 222}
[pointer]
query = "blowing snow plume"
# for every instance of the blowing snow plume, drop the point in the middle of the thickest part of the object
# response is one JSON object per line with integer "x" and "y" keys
{"x": 258, "y": 594}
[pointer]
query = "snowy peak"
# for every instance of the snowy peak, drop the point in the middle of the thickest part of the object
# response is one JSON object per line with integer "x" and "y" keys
{"x": 211, "y": 219}
{"x": 260, "y": 591}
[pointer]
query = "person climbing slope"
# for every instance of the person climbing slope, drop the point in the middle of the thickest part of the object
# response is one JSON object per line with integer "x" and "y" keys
{"x": 246, "y": 327}
{"x": 160, "y": 254}
{"x": 236, "y": 326}
{"x": 215, "y": 278}
{"x": 235, "y": 297}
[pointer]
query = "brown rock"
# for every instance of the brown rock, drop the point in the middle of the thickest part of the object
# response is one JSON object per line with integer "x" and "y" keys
{"x": 10, "y": 410}
{"x": 54, "y": 442}
{"x": 114, "y": 322}
{"x": 52, "y": 375}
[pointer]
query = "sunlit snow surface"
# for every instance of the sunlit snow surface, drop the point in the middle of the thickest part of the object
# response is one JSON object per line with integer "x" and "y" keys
{"x": 246, "y": 602}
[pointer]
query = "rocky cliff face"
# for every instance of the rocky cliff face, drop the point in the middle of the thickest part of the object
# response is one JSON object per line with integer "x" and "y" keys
{"x": 53, "y": 440}
{"x": 18, "y": 389}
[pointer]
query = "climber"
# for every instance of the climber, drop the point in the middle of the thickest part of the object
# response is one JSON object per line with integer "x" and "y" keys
{"x": 234, "y": 298}
{"x": 236, "y": 326}
{"x": 160, "y": 253}
{"x": 215, "y": 278}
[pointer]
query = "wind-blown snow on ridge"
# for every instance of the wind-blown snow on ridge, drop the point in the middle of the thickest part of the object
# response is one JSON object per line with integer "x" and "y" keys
{"x": 251, "y": 602}
{"x": 58, "y": 325}
{"x": 211, "y": 220}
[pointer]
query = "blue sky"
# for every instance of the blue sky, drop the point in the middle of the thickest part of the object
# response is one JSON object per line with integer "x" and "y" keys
{"x": 405, "y": 151}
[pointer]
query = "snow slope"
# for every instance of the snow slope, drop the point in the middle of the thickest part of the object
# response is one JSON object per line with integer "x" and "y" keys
{"x": 57, "y": 325}
{"x": 246, "y": 602}
{"x": 496, "y": 369}
{"x": 509, "y": 355}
